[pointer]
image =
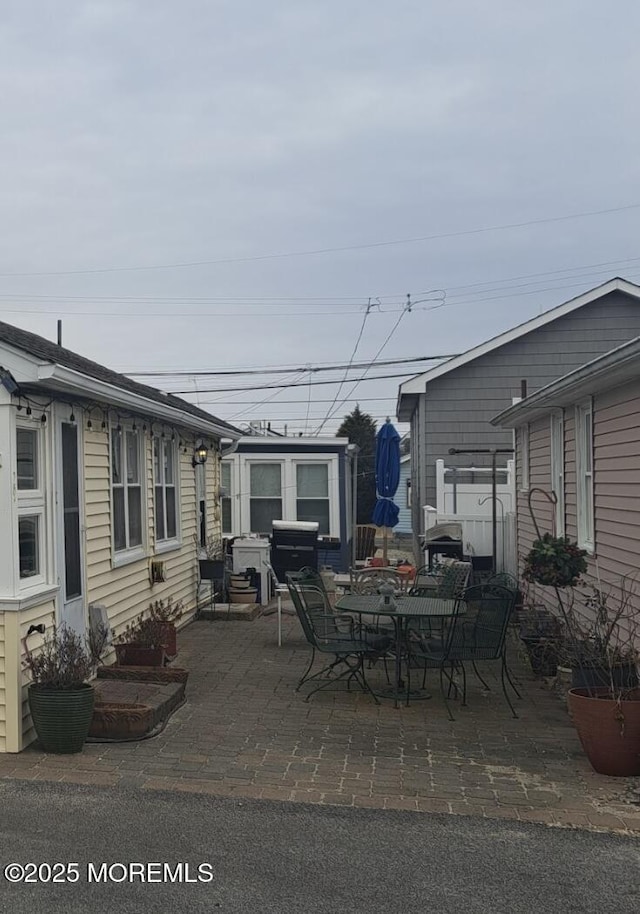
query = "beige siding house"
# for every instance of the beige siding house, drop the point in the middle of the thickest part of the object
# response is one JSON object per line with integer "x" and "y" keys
{"x": 98, "y": 481}
{"x": 579, "y": 437}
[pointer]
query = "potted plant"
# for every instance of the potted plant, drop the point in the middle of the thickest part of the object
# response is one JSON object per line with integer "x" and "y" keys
{"x": 597, "y": 643}
{"x": 167, "y": 614}
{"x": 601, "y": 645}
{"x": 142, "y": 643}
{"x": 540, "y": 633}
{"x": 60, "y": 698}
{"x": 212, "y": 565}
{"x": 554, "y": 561}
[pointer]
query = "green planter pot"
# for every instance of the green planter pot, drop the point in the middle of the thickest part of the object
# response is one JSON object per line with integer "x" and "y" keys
{"x": 61, "y": 717}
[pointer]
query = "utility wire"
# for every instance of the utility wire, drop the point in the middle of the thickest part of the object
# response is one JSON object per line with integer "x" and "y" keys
{"x": 312, "y": 369}
{"x": 332, "y": 250}
{"x": 222, "y": 390}
{"x": 405, "y": 310}
{"x": 347, "y": 368}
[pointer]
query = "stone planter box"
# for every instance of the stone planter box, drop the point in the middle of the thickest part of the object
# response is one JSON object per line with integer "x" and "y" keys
{"x": 162, "y": 674}
{"x": 121, "y": 720}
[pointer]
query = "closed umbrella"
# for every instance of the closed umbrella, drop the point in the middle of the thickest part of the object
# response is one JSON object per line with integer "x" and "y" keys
{"x": 385, "y": 513}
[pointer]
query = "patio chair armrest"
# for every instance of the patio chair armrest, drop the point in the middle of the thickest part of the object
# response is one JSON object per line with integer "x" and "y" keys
{"x": 345, "y": 622}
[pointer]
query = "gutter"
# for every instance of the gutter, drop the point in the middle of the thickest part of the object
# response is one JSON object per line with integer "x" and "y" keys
{"x": 69, "y": 381}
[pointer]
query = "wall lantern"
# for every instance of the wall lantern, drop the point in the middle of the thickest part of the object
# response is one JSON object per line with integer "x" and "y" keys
{"x": 200, "y": 455}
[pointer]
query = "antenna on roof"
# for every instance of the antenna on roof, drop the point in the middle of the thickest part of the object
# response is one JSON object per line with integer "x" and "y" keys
{"x": 59, "y": 333}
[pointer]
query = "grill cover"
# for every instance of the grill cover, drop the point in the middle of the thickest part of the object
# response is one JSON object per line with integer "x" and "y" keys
{"x": 294, "y": 545}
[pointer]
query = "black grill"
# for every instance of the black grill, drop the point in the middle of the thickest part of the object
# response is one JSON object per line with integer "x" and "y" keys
{"x": 294, "y": 545}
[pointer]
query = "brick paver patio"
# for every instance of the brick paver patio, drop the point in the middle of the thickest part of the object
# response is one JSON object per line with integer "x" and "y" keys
{"x": 245, "y": 733}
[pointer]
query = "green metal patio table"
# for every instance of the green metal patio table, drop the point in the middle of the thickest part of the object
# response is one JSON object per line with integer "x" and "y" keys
{"x": 404, "y": 609}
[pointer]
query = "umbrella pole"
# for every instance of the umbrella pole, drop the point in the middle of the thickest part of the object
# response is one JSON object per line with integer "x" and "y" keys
{"x": 384, "y": 546}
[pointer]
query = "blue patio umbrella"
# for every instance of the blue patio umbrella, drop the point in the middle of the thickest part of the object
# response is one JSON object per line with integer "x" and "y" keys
{"x": 385, "y": 513}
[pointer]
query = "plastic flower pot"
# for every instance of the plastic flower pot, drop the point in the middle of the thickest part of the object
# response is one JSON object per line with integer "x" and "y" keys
{"x": 609, "y": 729}
{"x": 61, "y": 717}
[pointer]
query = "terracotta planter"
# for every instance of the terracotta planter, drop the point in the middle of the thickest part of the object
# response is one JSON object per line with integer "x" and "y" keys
{"x": 608, "y": 730}
{"x": 133, "y": 654}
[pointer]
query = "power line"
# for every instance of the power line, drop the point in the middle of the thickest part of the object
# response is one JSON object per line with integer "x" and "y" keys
{"x": 222, "y": 390}
{"x": 405, "y": 310}
{"x": 331, "y": 250}
{"x": 312, "y": 369}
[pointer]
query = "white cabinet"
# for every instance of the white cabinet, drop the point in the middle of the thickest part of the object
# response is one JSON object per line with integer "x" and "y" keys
{"x": 253, "y": 552}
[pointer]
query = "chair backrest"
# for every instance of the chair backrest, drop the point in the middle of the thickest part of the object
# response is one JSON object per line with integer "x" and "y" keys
{"x": 485, "y": 625}
{"x": 365, "y": 541}
{"x": 449, "y": 584}
{"x": 368, "y": 580}
{"x": 425, "y": 582}
{"x": 307, "y": 575}
{"x": 454, "y": 580}
{"x": 316, "y": 617}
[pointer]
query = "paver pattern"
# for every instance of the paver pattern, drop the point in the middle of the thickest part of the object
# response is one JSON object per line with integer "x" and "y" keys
{"x": 245, "y": 733}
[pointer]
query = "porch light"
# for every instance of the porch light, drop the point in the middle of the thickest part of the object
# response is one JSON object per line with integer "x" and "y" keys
{"x": 200, "y": 455}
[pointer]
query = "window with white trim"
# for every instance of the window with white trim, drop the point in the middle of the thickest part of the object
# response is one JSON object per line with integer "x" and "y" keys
{"x": 524, "y": 457}
{"x": 557, "y": 468}
{"x": 584, "y": 469}
{"x": 265, "y": 496}
{"x": 225, "y": 500}
{"x": 31, "y": 505}
{"x": 126, "y": 488}
{"x": 165, "y": 476}
{"x": 312, "y": 495}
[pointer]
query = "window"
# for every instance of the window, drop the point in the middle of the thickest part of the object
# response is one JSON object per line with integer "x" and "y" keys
{"x": 524, "y": 454}
{"x": 584, "y": 468}
{"x": 557, "y": 468}
{"x": 312, "y": 494}
{"x": 31, "y": 505}
{"x": 165, "y": 465}
{"x": 126, "y": 488}
{"x": 27, "y": 457}
{"x": 29, "y": 545}
{"x": 225, "y": 500}
{"x": 265, "y": 501}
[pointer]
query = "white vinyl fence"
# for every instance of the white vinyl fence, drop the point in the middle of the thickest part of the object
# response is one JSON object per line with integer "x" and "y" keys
{"x": 469, "y": 503}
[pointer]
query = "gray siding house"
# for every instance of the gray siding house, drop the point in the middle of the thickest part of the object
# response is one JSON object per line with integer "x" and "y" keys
{"x": 579, "y": 438}
{"x": 451, "y": 406}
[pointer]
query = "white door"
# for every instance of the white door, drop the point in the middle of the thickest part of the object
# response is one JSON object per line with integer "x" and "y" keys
{"x": 71, "y": 603}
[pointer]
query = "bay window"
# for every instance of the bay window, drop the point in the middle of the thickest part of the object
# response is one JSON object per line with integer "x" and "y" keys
{"x": 31, "y": 505}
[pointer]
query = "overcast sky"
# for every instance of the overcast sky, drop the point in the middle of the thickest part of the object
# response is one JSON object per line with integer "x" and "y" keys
{"x": 150, "y": 133}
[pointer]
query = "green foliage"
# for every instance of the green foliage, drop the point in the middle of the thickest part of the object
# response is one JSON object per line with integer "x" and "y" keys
{"x": 360, "y": 429}
{"x": 62, "y": 662}
{"x": 554, "y": 561}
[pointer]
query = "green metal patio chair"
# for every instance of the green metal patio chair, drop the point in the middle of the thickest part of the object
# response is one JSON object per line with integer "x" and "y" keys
{"x": 349, "y": 647}
{"x": 479, "y": 635}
